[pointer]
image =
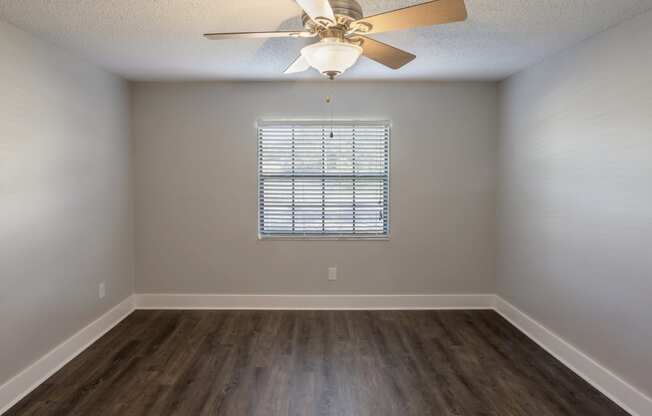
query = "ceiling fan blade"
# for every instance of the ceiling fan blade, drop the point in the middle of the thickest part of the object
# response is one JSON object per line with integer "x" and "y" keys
{"x": 384, "y": 54}
{"x": 299, "y": 65}
{"x": 256, "y": 35}
{"x": 317, "y": 8}
{"x": 425, "y": 14}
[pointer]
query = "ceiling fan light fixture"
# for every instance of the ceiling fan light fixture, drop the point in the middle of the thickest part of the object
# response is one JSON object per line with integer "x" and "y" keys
{"x": 331, "y": 56}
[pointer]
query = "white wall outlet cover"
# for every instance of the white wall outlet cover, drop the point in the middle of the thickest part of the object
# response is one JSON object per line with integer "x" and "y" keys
{"x": 332, "y": 273}
{"x": 102, "y": 290}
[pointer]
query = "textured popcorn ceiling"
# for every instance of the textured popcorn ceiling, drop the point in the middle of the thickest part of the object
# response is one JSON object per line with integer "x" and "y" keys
{"x": 161, "y": 39}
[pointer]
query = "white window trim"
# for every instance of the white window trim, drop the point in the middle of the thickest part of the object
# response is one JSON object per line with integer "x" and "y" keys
{"x": 322, "y": 237}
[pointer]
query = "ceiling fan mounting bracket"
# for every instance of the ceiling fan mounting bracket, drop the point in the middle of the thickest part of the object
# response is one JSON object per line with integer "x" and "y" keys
{"x": 356, "y": 40}
{"x": 360, "y": 27}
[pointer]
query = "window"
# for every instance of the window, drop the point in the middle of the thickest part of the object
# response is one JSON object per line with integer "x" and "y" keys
{"x": 313, "y": 185}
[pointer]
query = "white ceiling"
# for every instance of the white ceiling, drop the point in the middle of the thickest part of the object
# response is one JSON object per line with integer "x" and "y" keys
{"x": 161, "y": 39}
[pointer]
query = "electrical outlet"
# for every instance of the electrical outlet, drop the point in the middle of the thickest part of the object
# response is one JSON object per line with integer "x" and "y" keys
{"x": 102, "y": 290}
{"x": 332, "y": 273}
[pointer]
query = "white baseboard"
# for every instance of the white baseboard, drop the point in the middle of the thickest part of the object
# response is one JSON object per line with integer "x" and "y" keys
{"x": 314, "y": 302}
{"x": 608, "y": 383}
{"x": 618, "y": 390}
{"x": 22, "y": 384}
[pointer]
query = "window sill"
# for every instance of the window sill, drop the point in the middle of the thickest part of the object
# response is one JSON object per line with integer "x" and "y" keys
{"x": 321, "y": 238}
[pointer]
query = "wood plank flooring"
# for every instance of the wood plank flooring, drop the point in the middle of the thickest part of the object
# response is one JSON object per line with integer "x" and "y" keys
{"x": 315, "y": 363}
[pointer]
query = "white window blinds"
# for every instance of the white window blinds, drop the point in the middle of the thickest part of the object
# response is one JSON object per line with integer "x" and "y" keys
{"x": 314, "y": 184}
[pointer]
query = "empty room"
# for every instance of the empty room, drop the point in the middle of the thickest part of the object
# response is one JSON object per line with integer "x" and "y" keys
{"x": 326, "y": 208}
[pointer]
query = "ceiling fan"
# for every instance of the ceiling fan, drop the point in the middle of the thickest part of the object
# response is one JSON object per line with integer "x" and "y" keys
{"x": 342, "y": 29}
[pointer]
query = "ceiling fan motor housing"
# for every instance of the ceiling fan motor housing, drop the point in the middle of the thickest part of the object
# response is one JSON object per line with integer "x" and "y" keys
{"x": 345, "y": 12}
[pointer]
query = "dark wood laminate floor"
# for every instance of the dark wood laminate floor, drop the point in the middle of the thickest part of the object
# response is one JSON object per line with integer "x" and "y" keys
{"x": 315, "y": 363}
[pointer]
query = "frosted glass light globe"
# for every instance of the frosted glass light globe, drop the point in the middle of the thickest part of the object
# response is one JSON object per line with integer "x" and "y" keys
{"x": 331, "y": 56}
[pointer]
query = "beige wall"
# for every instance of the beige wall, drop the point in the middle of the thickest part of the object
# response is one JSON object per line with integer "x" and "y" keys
{"x": 65, "y": 215}
{"x": 195, "y": 153}
{"x": 576, "y": 197}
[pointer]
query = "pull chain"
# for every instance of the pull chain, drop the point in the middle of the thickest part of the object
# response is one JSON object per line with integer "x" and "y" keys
{"x": 329, "y": 101}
